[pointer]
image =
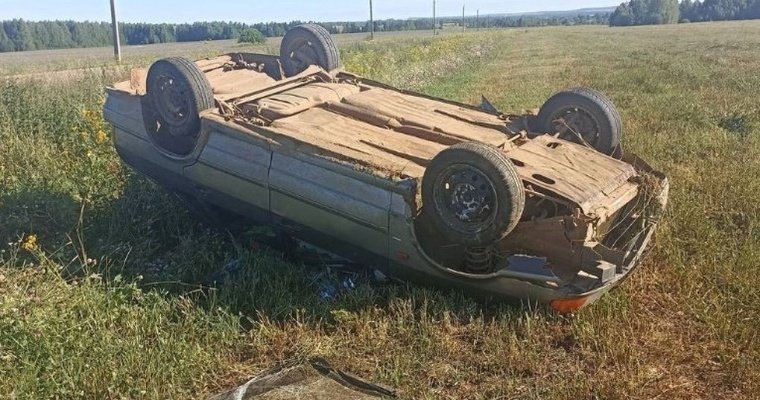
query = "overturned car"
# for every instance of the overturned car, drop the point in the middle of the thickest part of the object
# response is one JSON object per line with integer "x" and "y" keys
{"x": 541, "y": 207}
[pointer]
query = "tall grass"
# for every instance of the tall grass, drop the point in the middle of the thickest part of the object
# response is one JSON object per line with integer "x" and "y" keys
{"x": 109, "y": 289}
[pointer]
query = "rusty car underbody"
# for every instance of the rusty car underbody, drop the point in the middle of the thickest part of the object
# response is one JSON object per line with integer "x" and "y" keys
{"x": 338, "y": 161}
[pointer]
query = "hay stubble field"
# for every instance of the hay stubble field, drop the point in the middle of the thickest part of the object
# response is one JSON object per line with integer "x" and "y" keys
{"x": 104, "y": 279}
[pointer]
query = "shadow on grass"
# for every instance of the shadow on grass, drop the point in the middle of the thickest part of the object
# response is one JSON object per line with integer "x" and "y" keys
{"x": 146, "y": 236}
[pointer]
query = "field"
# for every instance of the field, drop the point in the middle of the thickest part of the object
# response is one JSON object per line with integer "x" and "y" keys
{"x": 106, "y": 283}
{"x": 41, "y": 61}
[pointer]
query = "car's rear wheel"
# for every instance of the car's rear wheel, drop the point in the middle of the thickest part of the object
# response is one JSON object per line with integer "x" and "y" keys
{"x": 583, "y": 116}
{"x": 307, "y": 45}
{"x": 473, "y": 194}
{"x": 177, "y": 91}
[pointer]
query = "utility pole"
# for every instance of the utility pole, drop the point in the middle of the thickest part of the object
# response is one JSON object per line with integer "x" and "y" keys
{"x": 371, "y": 21}
{"x": 477, "y": 20}
{"x": 116, "y": 39}
{"x": 434, "y": 24}
{"x": 463, "y": 20}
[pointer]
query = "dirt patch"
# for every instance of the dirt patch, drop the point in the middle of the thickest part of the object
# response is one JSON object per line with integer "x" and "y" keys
{"x": 69, "y": 75}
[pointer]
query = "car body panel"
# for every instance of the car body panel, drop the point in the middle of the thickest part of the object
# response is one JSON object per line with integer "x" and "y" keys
{"x": 234, "y": 166}
{"x": 330, "y": 202}
{"x": 337, "y": 160}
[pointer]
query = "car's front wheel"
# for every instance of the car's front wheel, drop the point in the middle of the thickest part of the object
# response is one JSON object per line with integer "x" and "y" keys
{"x": 473, "y": 194}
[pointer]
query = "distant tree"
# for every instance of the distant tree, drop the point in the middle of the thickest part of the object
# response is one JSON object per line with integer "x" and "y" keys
{"x": 20, "y": 35}
{"x": 687, "y": 9}
{"x": 669, "y": 11}
{"x": 25, "y": 39}
{"x": 6, "y": 44}
{"x": 623, "y": 16}
{"x": 716, "y": 10}
{"x": 251, "y": 35}
{"x": 646, "y": 12}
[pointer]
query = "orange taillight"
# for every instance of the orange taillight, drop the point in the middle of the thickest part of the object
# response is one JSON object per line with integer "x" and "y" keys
{"x": 567, "y": 306}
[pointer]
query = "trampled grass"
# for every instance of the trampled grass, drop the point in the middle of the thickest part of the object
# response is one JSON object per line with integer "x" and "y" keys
{"x": 105, "y": 280}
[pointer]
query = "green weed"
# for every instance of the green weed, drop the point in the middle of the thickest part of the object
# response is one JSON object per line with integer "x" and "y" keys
{"x": 109, "y": 289}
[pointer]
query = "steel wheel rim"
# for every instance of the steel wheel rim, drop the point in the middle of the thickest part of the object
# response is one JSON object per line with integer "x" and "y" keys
{"x": 173, "y": 101}
{"x": 573, "y": 121}
{"x": 303, "y": 54}
{"x": 464, "y": 194}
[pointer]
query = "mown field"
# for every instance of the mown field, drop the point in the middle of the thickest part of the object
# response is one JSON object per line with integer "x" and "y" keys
{"x": 104, "y": 279}
{"x": 41, "y": 61}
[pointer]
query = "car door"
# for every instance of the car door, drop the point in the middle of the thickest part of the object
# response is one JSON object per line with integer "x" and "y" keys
{"x": 232, "y": 171}
{"x": 331, "y": 206}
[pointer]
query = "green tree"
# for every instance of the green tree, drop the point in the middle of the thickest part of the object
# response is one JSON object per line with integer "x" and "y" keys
{"x": 668, "y": 10}
{"x": 623, "y": 16}
{"x": 6, "y": 44}
{"x": 646, "y": 12}
{"x": 251, "y": 35}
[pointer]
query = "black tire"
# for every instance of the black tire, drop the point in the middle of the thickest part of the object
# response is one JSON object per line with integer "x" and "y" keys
{"x": 177, "y": 91}
{"x": 484, "y": 177}
{"x": 587, "y": 112}
{"x": 306, "y": 45}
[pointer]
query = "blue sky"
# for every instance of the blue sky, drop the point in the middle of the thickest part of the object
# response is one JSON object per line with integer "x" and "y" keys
{"x": 261, "y": 11}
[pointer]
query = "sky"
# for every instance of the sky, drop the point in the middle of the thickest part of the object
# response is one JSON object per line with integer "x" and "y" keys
{"x": 251, "y": 11}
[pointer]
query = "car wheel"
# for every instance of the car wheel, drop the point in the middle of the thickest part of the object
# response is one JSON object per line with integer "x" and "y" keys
{"x": 473, "y": 194}
{"x": 583, "y": 116}
{"x": 177, "y": 91}
{"x": 307, "y": 45}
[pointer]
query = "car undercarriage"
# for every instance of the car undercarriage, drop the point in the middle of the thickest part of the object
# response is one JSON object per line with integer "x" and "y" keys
{"x": 540, "y": 207}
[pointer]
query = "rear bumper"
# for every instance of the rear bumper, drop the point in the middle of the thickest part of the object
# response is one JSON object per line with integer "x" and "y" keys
{"x": 570, "y": 304}
{"x": 539, "y": 287}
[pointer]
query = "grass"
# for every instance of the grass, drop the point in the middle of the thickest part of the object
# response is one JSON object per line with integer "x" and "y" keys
{"x": 108, "y": 289}
{"x": 40, "y": 62}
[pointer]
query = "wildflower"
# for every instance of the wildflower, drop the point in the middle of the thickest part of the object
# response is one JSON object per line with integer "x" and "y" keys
{"x": 30, "y": 243}
{"x": 101, "y": 136}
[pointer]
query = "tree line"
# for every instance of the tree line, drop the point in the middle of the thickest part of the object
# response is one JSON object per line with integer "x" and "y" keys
{"x": 21, "y": 35}
{"x": 719, "y": 10}
{"x": 656, "y": 12}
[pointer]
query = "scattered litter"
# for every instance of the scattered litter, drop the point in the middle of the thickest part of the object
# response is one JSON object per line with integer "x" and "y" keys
{"x": 380, "y": 277}
{"x": 737, "y": 124}
{"x": 315, "y": 380}
{"x": 332, "y": 282}
{"x": 334, "y": 275}
{"x": 229, "y": 269}
{"x": 330, "y": 274}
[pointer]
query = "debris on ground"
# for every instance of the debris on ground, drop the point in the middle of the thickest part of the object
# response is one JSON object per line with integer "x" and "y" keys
{"x": 316, "y": 380}
{"x": 329, "y": 274}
